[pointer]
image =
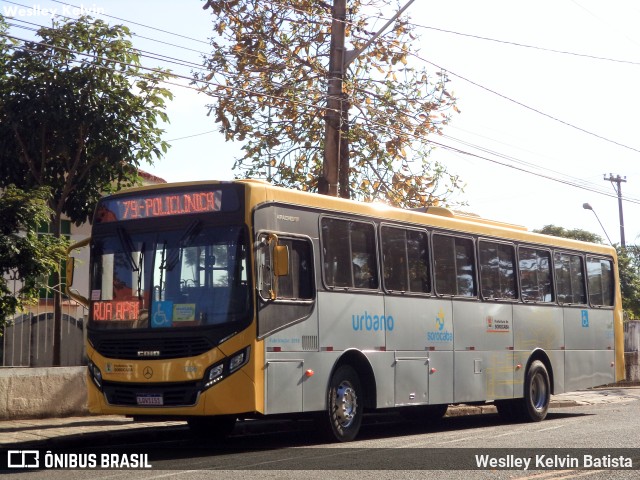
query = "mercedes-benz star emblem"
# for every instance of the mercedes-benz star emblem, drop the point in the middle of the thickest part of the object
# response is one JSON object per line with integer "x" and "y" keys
{"x": 147, "y": 372}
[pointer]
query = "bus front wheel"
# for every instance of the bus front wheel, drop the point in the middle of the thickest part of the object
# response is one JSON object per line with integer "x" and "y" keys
{"x": 345, "y": 403}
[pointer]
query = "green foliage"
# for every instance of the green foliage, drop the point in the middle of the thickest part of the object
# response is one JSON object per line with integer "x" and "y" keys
{"x": 629, "y": 269}
{"x": 23, "y": 255}
{"x": 268, "y": 82}
{"x": 575, "y": 233}
{"x": 77, "y": 114}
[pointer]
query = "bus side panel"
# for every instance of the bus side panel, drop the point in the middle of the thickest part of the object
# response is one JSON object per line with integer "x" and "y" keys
{"x": 422, "y": 337}
{"x": 441, "y": 380}
{"x": 351, "y": 321}
{"x": 589, "y": 368}
{"x": 590, "y": 347}
{"x": 284, "y": 385}
{"x": 415, "y": 322}
{"x": 537, "y": 326}
{"x": 588, "y": 329}
{"x": 483, "y": 351}
{"x": 357, "y": 321}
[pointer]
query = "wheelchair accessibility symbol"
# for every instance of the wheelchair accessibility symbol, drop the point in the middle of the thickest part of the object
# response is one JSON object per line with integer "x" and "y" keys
{"x": 585, "y": 319}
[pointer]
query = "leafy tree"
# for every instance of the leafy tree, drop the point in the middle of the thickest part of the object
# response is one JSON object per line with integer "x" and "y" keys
{"x": 629, "y": 270}
{"x": 628, "y": 265}
{"x": 77, "y": 114}
{"x": 575, "y": 234}
{"x": 268, "y": 82}
{"x": 24, "y": 256}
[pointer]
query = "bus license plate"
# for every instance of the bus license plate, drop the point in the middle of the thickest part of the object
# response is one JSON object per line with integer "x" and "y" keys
{"x": 151, "y": 399}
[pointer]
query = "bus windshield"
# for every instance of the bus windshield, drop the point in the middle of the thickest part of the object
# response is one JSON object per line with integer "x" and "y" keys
{"x": 188, "y": 277}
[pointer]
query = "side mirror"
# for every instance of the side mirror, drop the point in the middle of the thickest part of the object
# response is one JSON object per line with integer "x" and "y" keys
{"x": 71, "y": 265}
{"x": 280, "y": 260}
{"x": 273, "y": 263}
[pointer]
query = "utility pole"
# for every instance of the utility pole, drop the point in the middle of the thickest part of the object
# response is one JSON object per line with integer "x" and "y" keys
{"x": 617, "y": 182}
{"x": 335, "y": 169}
{"x": 328, "y": 184}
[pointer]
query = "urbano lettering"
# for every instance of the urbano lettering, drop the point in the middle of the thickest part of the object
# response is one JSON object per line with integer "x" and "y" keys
{"x": 373, "y": 323}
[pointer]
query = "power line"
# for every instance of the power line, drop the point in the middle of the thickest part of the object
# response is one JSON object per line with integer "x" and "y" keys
{"x": 435, "y": 143}
{"x": 136, "y": 23}
{"x": 523, "y": 45}
{"x": 523, "y": 105}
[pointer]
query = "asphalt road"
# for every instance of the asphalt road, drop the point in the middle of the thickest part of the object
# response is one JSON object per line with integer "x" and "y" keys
{"x": 390, "y": 447}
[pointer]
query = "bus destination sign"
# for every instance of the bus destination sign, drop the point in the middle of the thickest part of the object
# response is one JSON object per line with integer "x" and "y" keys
{"x": 158, "y": 205}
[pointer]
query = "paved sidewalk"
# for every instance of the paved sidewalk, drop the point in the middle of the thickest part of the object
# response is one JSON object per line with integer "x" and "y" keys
{"x": 100, "y": 430}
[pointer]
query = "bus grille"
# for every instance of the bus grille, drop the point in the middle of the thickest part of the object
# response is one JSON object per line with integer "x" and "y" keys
{"x": 173, "y": 395}
{"x": 152, "y": 349}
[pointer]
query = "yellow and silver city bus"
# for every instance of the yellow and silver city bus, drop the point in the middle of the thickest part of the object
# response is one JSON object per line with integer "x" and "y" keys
{"x": 213, "y": 301}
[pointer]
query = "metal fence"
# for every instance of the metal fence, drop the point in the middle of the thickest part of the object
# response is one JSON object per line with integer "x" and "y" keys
{"x": 27, "y": 339}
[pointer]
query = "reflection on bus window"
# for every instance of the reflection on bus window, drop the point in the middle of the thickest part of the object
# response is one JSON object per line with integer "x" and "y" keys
{"x": 535, "y": 275}
{"x": 298, "y": 284}
{"x": 349, "y": 249}
{"x": 454, "y": 265}
{"x": 406, "y": 260}
{"x": 570, "y": 285}
{"x": 175, "y": 278}
{"x": 601, "y": 287}
{"x": 497, "y": 271}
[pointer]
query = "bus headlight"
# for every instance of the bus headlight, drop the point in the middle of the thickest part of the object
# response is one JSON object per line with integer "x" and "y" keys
{"x": 237, "y": 361}
{"x": 214, "y": 375}
{"x": 223, "y": 369}
{"x": 96, "y": 375}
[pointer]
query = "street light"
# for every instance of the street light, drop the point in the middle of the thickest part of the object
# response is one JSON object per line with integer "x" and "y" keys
{"x": 586, "y": 206}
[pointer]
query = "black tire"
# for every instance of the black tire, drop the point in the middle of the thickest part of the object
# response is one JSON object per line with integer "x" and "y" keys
{"x": 537, "y": 392}
{"x": 345, "y": 403}
{"x": 212, "y": 428}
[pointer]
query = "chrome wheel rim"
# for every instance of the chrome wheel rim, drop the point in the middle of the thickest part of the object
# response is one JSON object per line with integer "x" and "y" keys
{"x": 346, "y": 404}
{"x": 538, "y": 392}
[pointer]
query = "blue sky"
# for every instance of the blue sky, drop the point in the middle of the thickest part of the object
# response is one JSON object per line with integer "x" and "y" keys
{"x": 561, "y": 116}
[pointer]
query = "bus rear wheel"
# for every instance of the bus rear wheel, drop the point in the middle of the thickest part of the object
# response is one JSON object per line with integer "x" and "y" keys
{"x": 537, "y": 393}
{"x": 345, "y": 403}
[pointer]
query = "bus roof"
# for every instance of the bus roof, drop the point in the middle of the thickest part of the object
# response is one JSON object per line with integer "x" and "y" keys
{"x": 261, "y": 192}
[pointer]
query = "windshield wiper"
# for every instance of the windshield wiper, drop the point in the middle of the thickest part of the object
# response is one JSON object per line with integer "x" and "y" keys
{"x": 192, "y": 231}
{"x": 127, "y": 247}
{"x": 139, "y": 270}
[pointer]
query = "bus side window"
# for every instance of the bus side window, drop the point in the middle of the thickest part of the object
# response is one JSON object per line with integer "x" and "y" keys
{"x": 337, "y": 254}
{"x": 298, "y": 284}
{"x": 600, "y": 275}
{"x": 363, "y": 255}
{"x": 405, "y": 260}
{"x": 570, "y": 287}
{"x": 497, "y": 271}
{"x": 454, "y": 263}
{"x": 394, "y": 255}
{"x": 535, "y": 275}
{"x": 349, "y": 254}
